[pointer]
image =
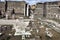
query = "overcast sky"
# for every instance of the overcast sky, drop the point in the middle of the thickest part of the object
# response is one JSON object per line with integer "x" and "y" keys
{"x": 34, "y": 1}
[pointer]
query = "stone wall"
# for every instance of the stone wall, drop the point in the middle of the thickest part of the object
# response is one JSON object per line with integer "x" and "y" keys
{"x": 39, "y": 9}
{"x": 2, "y": 6}
{"x": 52, "y": 9}
{"x": 18, "y": 6}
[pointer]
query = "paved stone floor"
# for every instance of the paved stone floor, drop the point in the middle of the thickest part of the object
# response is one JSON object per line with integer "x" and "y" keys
{"x": 35, "y": 36}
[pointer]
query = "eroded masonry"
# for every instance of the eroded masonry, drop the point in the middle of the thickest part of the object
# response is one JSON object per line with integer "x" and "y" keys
{"x": 21, "y": 21}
